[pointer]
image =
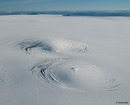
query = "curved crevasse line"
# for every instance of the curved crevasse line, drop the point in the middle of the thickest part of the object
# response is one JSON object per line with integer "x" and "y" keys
{"x": 29, "y": 45}
{"x": 44, "y": 70}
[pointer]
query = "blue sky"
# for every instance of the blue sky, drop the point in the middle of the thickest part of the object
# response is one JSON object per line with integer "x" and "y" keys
{"x": 36, "y": 5}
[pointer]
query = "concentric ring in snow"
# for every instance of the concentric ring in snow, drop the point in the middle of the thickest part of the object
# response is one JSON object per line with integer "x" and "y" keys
{"x": 52, "y": 45}
{"x": 66, "y": 73}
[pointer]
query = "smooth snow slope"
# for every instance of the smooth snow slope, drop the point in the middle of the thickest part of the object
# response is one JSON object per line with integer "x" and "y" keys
{"x": 56, "y": 60}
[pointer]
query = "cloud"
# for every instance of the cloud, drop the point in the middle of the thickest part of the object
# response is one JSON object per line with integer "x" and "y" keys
{"x": 21, "y": 2}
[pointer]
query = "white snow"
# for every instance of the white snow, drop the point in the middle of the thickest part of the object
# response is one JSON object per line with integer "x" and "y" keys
{"x": 56, "y": 60}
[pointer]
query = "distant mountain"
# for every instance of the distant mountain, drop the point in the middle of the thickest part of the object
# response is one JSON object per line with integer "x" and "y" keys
{"x": 99, "y": 13}
{"x": 69, "y": 13}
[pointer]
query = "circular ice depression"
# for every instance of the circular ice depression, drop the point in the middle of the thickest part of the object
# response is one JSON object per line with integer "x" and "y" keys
{"x": 52, "y": 45}
{"x": 70, "y": 74}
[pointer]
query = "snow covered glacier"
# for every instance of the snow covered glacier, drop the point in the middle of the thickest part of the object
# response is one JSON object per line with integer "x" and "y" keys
{"x": 57, "y": 60}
